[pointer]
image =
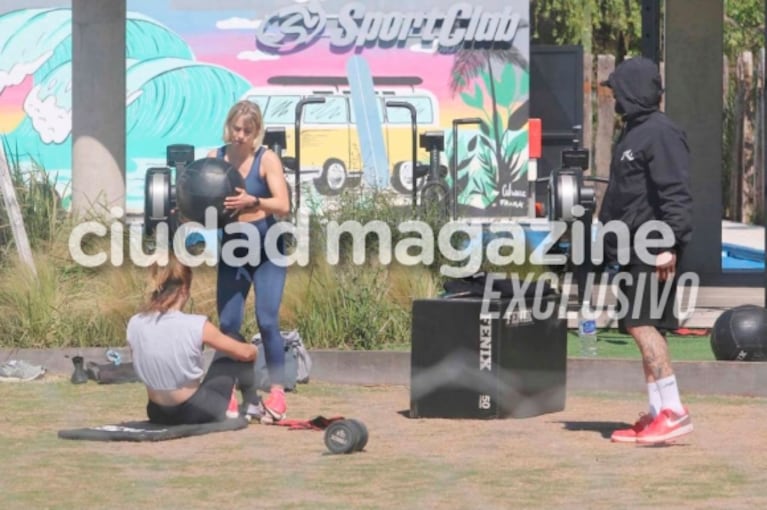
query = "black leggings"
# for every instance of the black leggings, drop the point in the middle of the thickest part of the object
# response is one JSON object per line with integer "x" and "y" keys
{"x": 211, "y": 400}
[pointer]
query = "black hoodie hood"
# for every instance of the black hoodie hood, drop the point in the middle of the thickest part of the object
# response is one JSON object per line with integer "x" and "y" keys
{"x": 636, "y": 86}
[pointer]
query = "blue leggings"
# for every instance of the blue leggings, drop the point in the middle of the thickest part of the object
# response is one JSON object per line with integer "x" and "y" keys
{"x": 268, "y": 280}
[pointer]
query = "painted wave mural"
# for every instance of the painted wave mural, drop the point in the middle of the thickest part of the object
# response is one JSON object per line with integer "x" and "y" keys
{"x": 167, "y": 91}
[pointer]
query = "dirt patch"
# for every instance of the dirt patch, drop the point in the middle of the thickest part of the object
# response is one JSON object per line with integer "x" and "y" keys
{"x": 559, "y": 460}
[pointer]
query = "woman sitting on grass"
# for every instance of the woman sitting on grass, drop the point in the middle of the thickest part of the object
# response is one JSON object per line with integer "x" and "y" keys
{"x": 166, "y": 345}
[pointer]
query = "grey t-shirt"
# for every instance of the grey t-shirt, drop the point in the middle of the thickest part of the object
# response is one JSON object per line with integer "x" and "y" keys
{"x": 166, "y": 349}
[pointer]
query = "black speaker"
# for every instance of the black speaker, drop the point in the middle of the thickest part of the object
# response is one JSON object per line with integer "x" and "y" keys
{"x": 496, "y": 362}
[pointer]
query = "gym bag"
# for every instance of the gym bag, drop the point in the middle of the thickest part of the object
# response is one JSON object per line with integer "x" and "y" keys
{"x": 298, "y": 363}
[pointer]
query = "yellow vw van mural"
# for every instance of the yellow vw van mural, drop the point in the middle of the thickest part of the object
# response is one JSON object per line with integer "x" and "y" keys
{"x": 330, "y": 151}
{"x": 188, "y": 61}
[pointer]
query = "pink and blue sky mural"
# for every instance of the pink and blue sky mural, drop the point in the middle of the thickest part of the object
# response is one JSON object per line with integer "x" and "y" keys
{"x": 188, "y": 61}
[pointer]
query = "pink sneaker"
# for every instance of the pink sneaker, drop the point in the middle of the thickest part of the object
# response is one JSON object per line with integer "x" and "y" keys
{"x": 665, "y": 427}
{"x": 630, "y": 435}
{"x": 233, "y": 411}
{"x": 275, "y": 405}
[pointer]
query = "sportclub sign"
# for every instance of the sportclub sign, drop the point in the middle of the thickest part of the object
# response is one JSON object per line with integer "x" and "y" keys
{"x": 295, "y": 27}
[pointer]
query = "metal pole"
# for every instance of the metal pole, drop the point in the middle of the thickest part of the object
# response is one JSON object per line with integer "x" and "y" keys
{"x": 651, "y": 30}
{"x": 454, "y": 170}
{"x": 413, "y": 140}
{"x": 297, "y": 143}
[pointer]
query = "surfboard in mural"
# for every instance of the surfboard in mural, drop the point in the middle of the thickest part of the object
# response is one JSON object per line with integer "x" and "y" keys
{"x": 185, "y": 67}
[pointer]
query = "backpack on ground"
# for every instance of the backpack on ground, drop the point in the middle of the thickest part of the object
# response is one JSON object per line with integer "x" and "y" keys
{"x": 298, "y": 363}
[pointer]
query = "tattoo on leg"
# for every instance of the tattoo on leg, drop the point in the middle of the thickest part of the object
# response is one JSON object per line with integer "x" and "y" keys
{"x": 654, "y": 351}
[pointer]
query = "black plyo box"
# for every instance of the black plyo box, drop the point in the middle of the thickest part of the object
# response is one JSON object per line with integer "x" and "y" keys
{"x": 465, "y": 363}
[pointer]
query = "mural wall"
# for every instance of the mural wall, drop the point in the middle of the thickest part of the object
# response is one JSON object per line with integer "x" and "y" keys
{"x": 185, "y": 67}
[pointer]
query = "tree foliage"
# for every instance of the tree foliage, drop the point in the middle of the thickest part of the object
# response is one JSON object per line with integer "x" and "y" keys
{"x": 613, "y": 26}
{"x": 743, "y": 26}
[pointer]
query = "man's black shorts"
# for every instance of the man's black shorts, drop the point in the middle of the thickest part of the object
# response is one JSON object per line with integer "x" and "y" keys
{"x": 646, "y": 301}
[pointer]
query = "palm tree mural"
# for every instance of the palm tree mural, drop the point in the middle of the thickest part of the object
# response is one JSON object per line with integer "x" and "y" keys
{"x": 498, "y": 148}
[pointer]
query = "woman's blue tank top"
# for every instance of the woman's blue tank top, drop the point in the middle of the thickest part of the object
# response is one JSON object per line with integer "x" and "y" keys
{"x": 254, "y": 183}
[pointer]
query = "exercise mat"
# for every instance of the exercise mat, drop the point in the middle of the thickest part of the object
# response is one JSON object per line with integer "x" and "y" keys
{"x": 138, "y": 431}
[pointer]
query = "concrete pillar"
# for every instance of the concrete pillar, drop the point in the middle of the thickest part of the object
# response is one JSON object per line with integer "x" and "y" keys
{"x": 693, "y": 56}
{"x": 98, "y": 105}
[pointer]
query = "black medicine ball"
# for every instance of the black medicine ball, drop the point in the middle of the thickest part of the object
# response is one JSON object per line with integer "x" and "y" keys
{"x": 206, "y": 183}
{"x": 740, "y": 334}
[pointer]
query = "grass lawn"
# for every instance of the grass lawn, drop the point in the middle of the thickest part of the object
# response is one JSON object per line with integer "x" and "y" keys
{"x": 612, "y": 344}
{"x": 558, "y": 460}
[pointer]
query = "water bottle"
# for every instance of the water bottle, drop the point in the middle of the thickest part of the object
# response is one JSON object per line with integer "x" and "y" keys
{"x": 587, "y": 333}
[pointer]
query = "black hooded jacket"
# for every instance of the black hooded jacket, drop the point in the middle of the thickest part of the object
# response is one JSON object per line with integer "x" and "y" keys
{"x": 649, "y": 174}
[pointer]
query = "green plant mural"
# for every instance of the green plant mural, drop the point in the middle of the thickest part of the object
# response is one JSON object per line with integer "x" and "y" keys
{"x": 496, "y": 83}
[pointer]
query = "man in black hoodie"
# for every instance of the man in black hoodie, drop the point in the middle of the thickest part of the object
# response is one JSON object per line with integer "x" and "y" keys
{"x": 649, "y": 182}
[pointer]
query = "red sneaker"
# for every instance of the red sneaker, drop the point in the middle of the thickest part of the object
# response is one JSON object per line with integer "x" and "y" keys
{"x": 665, "y": 427}
{"x": 275, "y": 405}
{"x": 233, "y": 411}
{"x": 630, "y": 435}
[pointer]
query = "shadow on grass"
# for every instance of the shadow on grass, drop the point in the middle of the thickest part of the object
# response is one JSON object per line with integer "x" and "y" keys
{"x": 605, "y": 428}
{"x": 661, "y": 445}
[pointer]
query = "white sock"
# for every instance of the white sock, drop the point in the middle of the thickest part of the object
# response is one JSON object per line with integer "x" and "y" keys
{"x": 653, "y": 392}
{"x": 669, "y": 394}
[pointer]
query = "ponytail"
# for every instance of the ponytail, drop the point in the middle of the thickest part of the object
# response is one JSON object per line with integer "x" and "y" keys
{"x": 166, "y": 283}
